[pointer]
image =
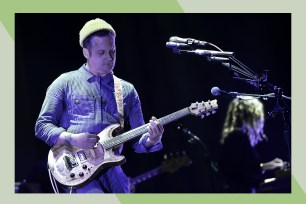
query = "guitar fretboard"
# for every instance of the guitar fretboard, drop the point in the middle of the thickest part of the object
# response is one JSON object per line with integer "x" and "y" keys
{"x": 108, "y": 144}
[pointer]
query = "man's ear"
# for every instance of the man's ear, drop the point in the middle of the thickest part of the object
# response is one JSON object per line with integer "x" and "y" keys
{"x": 86, "y": 53}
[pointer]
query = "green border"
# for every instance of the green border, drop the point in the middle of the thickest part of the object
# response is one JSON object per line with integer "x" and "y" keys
{"x": 7, "y": 12}
{"x": 10, "y": 7}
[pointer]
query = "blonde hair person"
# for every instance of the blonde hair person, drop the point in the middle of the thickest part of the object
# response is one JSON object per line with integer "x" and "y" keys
{"x": 246, "y": 115}
{"x": 243, "y": 129}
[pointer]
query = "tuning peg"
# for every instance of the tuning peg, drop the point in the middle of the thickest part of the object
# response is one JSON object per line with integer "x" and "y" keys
{"x": 213, "y": 112}
{"x": 202, "y": 116}
{"x": 208, "y": 113}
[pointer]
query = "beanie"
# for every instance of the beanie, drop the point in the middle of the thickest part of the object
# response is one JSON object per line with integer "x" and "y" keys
{"x": 94, "y": 26}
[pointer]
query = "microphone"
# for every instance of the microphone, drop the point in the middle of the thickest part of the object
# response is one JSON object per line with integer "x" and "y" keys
{"x": 218, "y": 59}
{"x": 176, "y": 45}
{"x": 244, "y": 96}
{"x": 188, "y": 41}
{"x": 213, "y": 53}
{"x": 216, "y": 92}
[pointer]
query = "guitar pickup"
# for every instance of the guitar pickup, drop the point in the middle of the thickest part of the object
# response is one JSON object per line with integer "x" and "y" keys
{"x": 82, "y": 156}
{"x": 70, "y": 161}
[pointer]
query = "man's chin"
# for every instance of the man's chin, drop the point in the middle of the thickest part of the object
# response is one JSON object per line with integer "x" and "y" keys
{"x": 108, "y": 69}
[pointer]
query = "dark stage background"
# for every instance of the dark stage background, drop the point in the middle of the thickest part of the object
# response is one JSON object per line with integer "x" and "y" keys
{"x": 47, "y": 45}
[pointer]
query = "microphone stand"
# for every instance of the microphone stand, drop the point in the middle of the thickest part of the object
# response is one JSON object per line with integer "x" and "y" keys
{"x": 259, "y": 81}
{"x": 212, "y": 165}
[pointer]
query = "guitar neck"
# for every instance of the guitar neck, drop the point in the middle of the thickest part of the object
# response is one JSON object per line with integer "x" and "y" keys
{"x": 143, "y": 129}
{"x": 145, "y": 176}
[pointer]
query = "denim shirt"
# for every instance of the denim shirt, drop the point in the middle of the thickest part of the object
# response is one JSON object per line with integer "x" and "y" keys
{"x": 79, "y": 101}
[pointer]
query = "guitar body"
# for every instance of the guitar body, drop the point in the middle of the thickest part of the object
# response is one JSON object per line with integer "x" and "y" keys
{"x": 74, "y": 167}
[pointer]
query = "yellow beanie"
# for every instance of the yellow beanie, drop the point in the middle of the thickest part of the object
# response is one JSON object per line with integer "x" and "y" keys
{"x": 93, "y": 26}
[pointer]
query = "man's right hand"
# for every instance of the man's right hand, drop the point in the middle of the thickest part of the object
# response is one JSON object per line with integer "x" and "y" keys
{"x": 80, "y": 140}
{"x": 84, "y": 140}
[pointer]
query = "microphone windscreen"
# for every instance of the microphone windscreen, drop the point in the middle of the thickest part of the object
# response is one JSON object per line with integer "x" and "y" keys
{"x": 177, "y": 45}
{"x": 173, "y": 39}
{"x": 177, "y": 39}
{"x": 215, "y": 91}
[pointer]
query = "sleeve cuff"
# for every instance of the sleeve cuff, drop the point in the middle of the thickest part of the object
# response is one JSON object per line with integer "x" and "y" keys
{"x": 140, "y": 146}
{"x": 51, "y": 141}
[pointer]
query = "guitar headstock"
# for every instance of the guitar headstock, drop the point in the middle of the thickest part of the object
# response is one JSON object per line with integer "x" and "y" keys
{"x": 172, "y": 163}
{"x": 203, "y": 108}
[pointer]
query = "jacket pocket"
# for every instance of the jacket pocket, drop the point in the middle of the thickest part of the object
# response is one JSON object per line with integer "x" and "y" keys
{"x": 83, "y": 107}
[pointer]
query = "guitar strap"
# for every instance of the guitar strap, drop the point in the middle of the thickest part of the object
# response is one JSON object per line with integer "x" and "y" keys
{"x": 119, "y": 100}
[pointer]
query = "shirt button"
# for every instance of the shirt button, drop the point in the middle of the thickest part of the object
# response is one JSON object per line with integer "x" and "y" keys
{"x": 77, "y": 101}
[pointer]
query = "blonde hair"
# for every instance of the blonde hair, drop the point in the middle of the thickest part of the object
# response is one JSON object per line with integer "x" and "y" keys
{"x": 247, "y": 115}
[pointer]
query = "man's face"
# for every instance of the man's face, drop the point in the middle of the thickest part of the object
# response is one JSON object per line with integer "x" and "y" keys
{"x": 101, "y": 57}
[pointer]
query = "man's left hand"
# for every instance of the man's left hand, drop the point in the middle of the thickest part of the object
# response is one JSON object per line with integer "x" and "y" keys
{"x": 156, "y": 131}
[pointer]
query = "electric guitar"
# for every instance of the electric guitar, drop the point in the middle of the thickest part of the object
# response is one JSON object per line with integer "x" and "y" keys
{"x": 75, "y": 167}
{"x": 169, "y": 165}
